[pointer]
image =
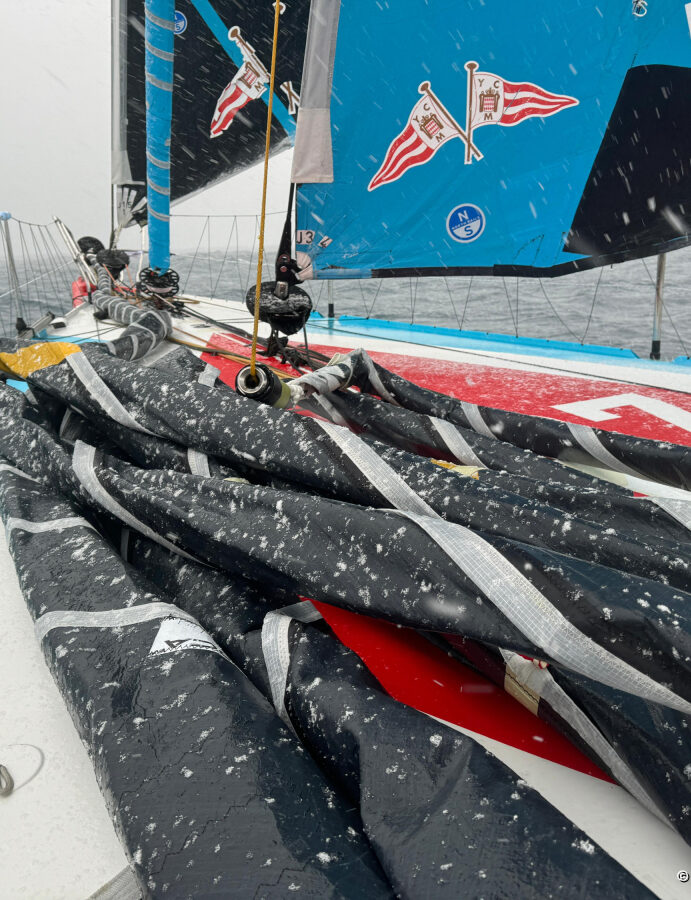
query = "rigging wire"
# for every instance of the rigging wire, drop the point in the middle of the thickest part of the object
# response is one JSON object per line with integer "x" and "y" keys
{"x": 196, "y": 252}
{"x": 225, "y": 257}
{"x": 592, "y": 307}
{"x": 260, "y": 254}
{"x": 508, "y": 300}
{"x": 554, "y": 310}
{"x": 666, "y": 311}
{"x": 467, "y": 301}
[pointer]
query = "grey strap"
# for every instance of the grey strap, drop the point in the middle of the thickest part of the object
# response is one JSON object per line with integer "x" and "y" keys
{"x": 6, "y": 467}
{"x": 49, "y": 525}
{"x": 107, "y": 618}
{"x": 541, "y": 622}
{"x": 123, "y": 887}
{"x": 456, "y": 443}
{"x": 198, "y": 463}
{"x": 208, "y": 375}
{"x": 168, "y": 24}
{"x": 159, "y": 83}
{"x": 64, "y": 422}
{"x": 678, "y": 509}
{"x": 101, "y": 393}
{"x": 330, "y": 410}
{"x": 161, "y": 54}
{"x": 477, "y": 423}
{"x": 499, "y": 580}
{"x": 276, "y": 648}
{"x": 538, "y": 683}
{"x": 389, "y": 483}
{"x": 375, "y": 380}
{"x": 586, "y": 438}
{"x": 83, "y": 463}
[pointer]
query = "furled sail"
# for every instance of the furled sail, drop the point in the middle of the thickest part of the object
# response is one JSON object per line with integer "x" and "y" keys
{"x": 456, "y": 137}
{"x": 222, "y": 53}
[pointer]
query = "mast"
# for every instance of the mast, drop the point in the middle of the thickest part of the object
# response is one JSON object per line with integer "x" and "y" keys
{"x": 159, "y": 36}
{"x": 657, "y": 319}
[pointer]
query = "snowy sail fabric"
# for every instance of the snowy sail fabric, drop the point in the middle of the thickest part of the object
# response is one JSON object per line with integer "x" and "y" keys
{"x": 211, "y": 38}
{"x": 576, "y": 185}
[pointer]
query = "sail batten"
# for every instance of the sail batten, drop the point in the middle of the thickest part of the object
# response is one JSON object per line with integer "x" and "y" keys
{"x": 585, "y": 164}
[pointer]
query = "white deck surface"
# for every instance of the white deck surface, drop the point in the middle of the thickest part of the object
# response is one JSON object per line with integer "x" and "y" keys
{"x": 57, "y": 841}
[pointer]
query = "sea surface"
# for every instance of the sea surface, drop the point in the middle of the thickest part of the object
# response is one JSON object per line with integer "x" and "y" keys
{"x": 613, "y": 305}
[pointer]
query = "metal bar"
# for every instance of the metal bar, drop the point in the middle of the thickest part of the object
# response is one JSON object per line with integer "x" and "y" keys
{"x": 659, "y": 306}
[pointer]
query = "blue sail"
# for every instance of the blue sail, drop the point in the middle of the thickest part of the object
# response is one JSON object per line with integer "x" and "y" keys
{"x": 456, "y": 136}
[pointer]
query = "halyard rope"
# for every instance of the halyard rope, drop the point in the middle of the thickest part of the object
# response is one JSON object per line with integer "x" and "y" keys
{"x": 262, "y": 217}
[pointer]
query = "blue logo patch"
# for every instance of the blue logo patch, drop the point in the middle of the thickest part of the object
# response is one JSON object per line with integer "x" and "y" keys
{"x": 180, "y": 22}
{"x": 465, "y": 223}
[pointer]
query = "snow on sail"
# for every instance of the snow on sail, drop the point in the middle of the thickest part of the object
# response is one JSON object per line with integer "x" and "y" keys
{"x": 385, "y": 191}
{"x": 210, "y": 45}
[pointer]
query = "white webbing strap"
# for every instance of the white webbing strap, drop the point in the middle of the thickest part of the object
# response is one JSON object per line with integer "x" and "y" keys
{"x": 586, "y": 438}
{"x": 6, "y": 467}
{"x": 456, "y": 443}
{"x": 101, "y": 393}
{"x": 208, "y": 375}
{"x": 123, "y": 887}
{"x": 49, "y": 525}
{"x": 389, "y": 483}
{"x": 502, "y": 583}
{"x": 678, "y": 509}
{"x": 276, "y": 648}
{"x": 83, "y": 464}
{"x": 477, "y": 423}
{"x": 539, "y": 684}
{"x": 198, "y": 463}
{"x": 108, "y": 618}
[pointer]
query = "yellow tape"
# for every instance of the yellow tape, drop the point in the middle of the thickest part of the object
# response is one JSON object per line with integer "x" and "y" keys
{"x": 467, "y": 471}
{"x": 37, "y": 356}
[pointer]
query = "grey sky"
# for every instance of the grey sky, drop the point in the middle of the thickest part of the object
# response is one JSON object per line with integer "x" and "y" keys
{"x": 55, "y": 121}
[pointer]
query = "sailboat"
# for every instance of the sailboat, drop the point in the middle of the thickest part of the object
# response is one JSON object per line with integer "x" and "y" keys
{"x": 389, "y": 610}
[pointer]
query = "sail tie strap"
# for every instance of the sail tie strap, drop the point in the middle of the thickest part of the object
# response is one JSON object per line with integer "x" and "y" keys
{"x": 529, "y": 685}
{"x": 262, "y": 216}
{"x": 49, "y": 525}
{"x": 99, "y": 391}
{"x": 502, "y": 583}
{"x": 107, "y": 618}
{"x": 84, "y": 466}
{"x": 456, "y": 443}
{"x": 123, "y": 887}
{"x": 477, "y": 423}
{"x": 587, "y": 439}
{"x": 276, "y": 648}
